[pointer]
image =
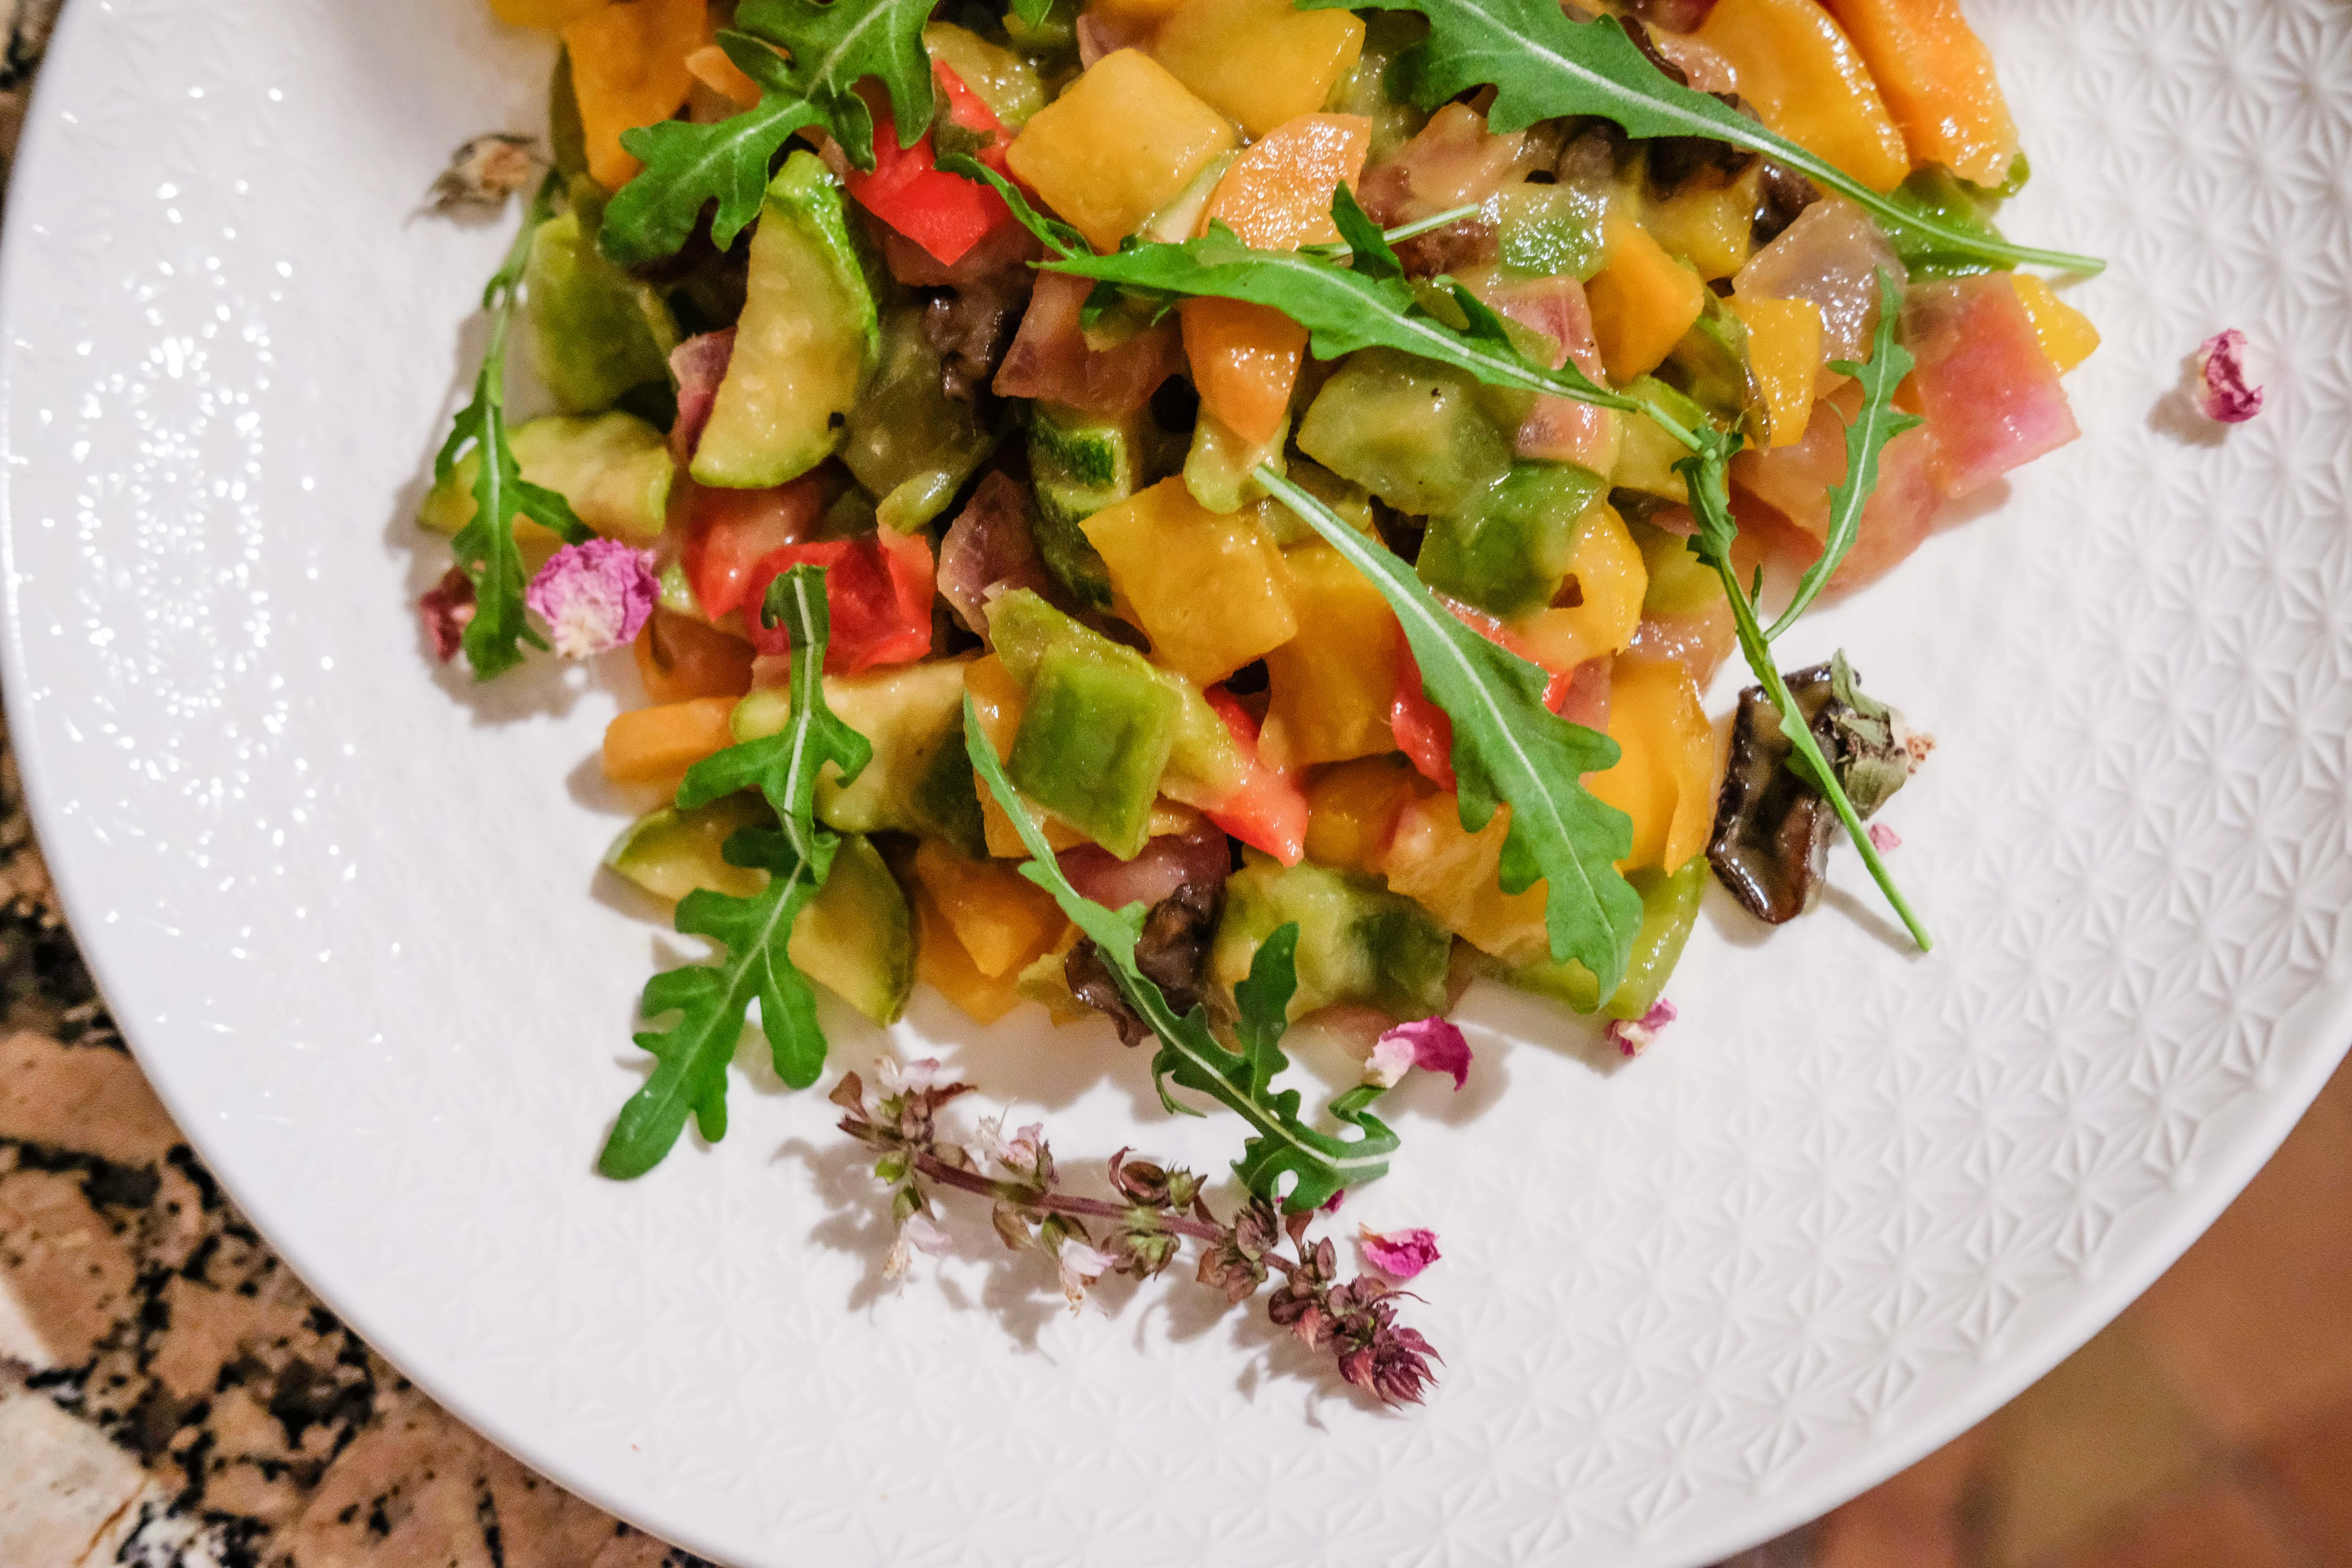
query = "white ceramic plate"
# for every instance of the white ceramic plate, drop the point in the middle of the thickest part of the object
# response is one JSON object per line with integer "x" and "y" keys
{"x": 349, "y": 914}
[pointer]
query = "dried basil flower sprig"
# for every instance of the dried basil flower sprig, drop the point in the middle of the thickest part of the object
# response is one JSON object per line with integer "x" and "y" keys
{"x": 1139, "y": 1231}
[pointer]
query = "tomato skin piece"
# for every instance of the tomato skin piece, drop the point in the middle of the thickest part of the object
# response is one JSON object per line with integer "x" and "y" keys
{"x": 729, "y": 532}
{"x": 1268, "y": 811}
{"x": 878, "y": 592}
{"x": 945, "y": 214}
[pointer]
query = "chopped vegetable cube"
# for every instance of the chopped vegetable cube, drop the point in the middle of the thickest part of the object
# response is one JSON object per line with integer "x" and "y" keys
{"x": 1666, "y": 779}
{"x": 1210, "y": 591}
{"x": 1118, "y": 144}
{"x": 1260, "y": 62}
{"x": 1002, "y": 920}
{"x": 1643, "y": 300}
{"x": 1784, "y": 350}
{"x": 1330, "y": 685}
{"x": 1094, "y": 740}
{"x": 657, "y": 745}
{"x": 628, "y": 69}
{"x": 2067, "y": 336}
{"x": 1937, "y": 78}
{"x": 1806, "y": 78}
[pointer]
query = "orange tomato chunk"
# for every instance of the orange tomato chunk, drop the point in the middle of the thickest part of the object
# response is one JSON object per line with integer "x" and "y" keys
{"x": 629, "y": 68}
{"x": 1807, "y": 79}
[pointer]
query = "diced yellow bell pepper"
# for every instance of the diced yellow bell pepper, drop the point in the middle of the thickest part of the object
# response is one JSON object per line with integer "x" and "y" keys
{"x": 1643, "y": 301}
{"x": 1003, "y": 920}
{"x": 714, "y": 69}
{"x": 1122, "y": 141}
{"x": 1784, "y": 350}
{"x": 1455, "y": 875}
{"x": 1210, "y": 592}
{"x": 1352, "y": 810}
{"x": 1713, "y": 228}
{"x": 1260, "y": 62}
{"x": 1610, "y": 579}
{"x": 1332, "y": 686}
{"x": 1666, "y": 781}
{"x": 628, "y": 68}
{"x": 941, "y": 963}
{"x": 550, "y": 14}
{"x": 2066, "y": 335}
{"x": 1807, "y": 79}
{"x": 657, "y": 745}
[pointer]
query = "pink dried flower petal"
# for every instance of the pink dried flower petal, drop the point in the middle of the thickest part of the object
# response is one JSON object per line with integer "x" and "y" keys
{"x": 447, "y": 610}
{"x": 1634, "y": 1036}
{"x": 923, "y": 1233}
{"x": 897, "y": 1077}
{"x": 594, "y": 596}
{"x": 1331, "y": 1204}
{"x": 2223, "y": 392}
{"x": 1437, "y": 1046}
{"x": 1883, "y": 838}
{"x": 1400, "y": 1254}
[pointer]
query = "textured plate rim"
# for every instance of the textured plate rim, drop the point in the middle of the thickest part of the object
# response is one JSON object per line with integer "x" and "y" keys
{"x": 2093, "y": 1307}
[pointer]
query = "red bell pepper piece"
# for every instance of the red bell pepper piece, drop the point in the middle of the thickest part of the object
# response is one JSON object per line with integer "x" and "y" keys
{"x": 1424, "y": 733}
{"x": 1268, "y": 811}
{"x": 728, "y": 532}
{"x": 878, "y": 592}
{"x": 945, "y": 214}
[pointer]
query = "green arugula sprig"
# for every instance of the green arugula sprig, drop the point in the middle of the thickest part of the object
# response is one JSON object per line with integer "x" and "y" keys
{"x": 1189, "y": 1056}
{"x": 1543, "y": 66}
{"x": 485, "y": 547}
{"x": 1878, "y": 424}
{"x": 1509, "y": 750}
{"x": 828, "y": 49}
{"x": 1705, "y": 472}
{"x": 755, "y": 932}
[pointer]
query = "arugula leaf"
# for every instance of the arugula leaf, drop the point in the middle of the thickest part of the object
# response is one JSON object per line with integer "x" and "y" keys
{"x": 1344, "y": 309}
{"x": 710, "y": 1001}
{"x": 1190, "y": 1054}
{"x": 1052, "y": 233}
{"x": 756, "y": 933}
{"x": 785, "y": 766}
{"x": 1510, "y": 750}
{"x": 836, "y": 46}
{"x": 1543, "y": 67}
{"x": 829, "y": 49}
{"x": 689, "y": 166}
{"x": 1707, "y": 473}
{"x": 485, "y": 547}
{"x": 1878, "y": 423}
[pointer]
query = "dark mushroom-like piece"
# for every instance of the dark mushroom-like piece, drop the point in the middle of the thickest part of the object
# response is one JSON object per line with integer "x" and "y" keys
{"x": 1772, "y": 822}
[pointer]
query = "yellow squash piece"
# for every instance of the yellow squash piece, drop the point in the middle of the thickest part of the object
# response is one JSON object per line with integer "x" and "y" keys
{"x": 550, "y": 14}
{"x": 1333, "y": 684}
{"x": 1352, "y": 810}
{"x": 1784, "y": 350}
{"x": 1711, "y": 226}
{"x": 657, "y": 745}
{"x": 941, "y": 963}
{"x": 1260, "y": 62}
{"x": 1210, "y": 592}
{"x": 1610, "y": 580}
{"x": 1807, "y": 79}
{"x": 1667, "y": 778}
{"x": 628, "y": 68}
{"x": 1122, "y": 141}
{"x": 1001, "y": 919}
{"x": 1937, "y": 78}
{"x": 1643, "y": 301}
{"x": 1454, "y": 874}
{"x": 2066, "y": 335}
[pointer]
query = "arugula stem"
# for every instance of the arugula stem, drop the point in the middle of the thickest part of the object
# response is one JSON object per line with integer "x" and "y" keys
{"x": 1759, "y": 651}
{"x": 1403, "y": 232}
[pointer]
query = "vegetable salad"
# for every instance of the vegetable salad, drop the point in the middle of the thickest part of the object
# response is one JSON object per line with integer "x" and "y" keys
{"x": 1210, "y": 512}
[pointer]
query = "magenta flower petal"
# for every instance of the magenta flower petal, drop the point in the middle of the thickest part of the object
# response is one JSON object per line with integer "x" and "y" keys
{"x": 1633, "y": 1036}
{"x": 1436, "y": 1045}
{"x": 2223, "y": 392}
{"x": 1883, "y": 838}
{"x": 446, "y": 609}
{"x": 1401, "y": 1254}
{"x": 594, "y": 596}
